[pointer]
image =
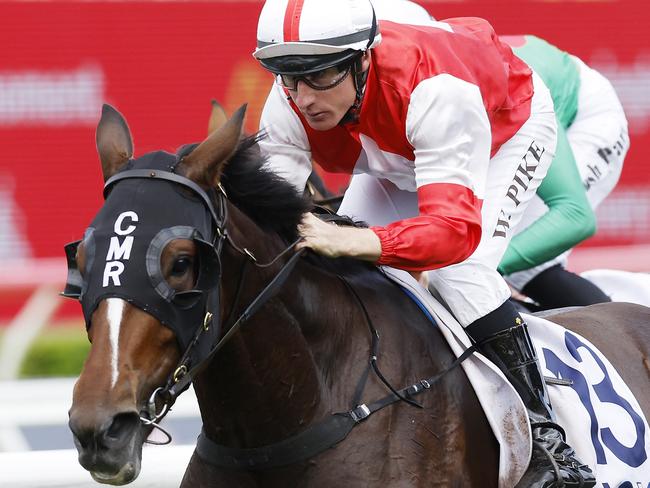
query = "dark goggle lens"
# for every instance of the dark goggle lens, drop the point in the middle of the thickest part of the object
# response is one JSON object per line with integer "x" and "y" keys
{"x": 319, "y": 80}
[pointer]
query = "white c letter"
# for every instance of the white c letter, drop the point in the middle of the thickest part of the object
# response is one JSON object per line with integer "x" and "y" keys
{"x": 118, "y": 223}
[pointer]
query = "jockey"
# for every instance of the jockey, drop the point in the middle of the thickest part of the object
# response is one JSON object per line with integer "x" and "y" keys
{"x": 449, "y": 135}
{"x": 592, "y": 143}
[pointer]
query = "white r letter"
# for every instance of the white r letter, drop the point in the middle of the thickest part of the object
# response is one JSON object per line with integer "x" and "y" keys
{"x": 113, "y": 270}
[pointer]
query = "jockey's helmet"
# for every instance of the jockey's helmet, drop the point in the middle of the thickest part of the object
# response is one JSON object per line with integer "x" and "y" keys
{"x": 297, "y": 37}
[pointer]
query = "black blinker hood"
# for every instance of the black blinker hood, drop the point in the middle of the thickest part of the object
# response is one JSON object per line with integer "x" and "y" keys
{"x": 147, "y": 206}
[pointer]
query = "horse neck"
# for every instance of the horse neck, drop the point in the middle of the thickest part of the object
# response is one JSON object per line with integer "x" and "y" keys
{"x": 275, "y": 376}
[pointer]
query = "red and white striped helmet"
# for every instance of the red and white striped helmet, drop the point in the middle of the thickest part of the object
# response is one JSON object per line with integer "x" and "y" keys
{"x": 315, "y": 28}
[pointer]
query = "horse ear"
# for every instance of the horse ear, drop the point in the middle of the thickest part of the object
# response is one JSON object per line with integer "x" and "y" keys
{"x": 218, "y": 117}
{"x": 114, "y": 141}
{"x": 205, "y": 164}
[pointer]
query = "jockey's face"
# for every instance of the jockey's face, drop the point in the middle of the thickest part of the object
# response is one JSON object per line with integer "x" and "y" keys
{"x": 324, "y": 109}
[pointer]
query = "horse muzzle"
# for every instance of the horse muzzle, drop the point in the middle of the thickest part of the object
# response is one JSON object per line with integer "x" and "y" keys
{"x": 125, "y": 475}
{"x": 112, "y": 451}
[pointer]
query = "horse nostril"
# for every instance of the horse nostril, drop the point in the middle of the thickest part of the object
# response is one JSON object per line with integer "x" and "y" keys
{"x": 82, "y": 436}
{"x": 121, "y": 429}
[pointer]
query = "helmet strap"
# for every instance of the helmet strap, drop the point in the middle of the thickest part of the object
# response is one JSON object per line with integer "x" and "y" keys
{"x": 359, "y": 77}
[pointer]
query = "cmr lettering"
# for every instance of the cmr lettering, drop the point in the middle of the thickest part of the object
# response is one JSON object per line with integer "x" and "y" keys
{"x": 118, "y": 251}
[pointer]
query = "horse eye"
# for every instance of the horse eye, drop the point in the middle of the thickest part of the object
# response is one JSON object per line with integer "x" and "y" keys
{"x": 181, "y": 266}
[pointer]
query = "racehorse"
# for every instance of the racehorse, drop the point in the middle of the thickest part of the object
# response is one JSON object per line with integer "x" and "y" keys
{"x": 188, "y": 273}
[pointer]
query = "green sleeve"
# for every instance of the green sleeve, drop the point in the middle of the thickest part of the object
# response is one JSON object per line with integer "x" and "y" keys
{"x": 559, "y": 72}
{"x": 569, "y": 220}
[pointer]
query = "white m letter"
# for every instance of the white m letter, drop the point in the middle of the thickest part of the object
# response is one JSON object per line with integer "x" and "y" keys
{"x": 117, "y": 251}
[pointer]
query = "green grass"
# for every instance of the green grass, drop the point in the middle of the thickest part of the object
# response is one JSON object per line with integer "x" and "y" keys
{"x": 57, "y": 351}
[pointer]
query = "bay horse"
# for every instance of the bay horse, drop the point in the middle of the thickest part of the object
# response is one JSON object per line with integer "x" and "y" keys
{"x": 188, "y": 273}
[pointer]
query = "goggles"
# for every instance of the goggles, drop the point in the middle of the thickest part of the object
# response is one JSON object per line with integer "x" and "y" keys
{"x": 324, "y": 79}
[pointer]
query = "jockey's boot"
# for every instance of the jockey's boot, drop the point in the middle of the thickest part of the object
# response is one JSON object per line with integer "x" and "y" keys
{"x": 554, "y": 463}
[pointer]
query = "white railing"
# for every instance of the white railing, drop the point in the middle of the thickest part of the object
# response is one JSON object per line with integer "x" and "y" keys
{"x": 45, "y": 403}
{"x": 45, "y": 277}
{"x": 162, "y": 467}
{"x": 624, "y": 258}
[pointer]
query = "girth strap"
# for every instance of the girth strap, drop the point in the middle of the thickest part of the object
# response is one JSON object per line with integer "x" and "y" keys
{"x": 297, "y": 448}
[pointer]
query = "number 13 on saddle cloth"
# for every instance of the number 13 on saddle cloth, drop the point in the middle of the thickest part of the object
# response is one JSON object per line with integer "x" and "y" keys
{"x": 603, "y": 419}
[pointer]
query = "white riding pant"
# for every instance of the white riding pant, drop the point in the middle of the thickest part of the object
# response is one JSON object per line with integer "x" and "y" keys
{"x": 599, "y": 140}
{"x": 473, "y": 288}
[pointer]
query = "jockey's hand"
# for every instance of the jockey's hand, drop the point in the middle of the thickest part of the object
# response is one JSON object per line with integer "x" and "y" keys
{"x": 335, "y": 241}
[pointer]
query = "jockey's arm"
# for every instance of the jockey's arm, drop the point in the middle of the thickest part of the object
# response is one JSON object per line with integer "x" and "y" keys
{"x": 286, "y": 148}
{"x": 449, "y": 130}
{"x": 569, "y": 220}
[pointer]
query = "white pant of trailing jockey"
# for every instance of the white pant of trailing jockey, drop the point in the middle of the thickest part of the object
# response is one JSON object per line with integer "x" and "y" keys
{"x": 599, "y": 140}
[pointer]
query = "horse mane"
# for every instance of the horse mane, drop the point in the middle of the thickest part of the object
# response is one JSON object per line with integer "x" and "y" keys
{"x": 273, "y": 203}
{"x": 269, "y": 200}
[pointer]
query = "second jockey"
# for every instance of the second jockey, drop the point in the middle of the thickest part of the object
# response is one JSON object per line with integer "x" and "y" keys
{"x": 591, "y": 147}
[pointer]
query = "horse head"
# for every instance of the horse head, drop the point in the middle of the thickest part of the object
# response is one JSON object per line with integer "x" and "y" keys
{"x": 186, "y": 248}
{"x": 145, "y": 272}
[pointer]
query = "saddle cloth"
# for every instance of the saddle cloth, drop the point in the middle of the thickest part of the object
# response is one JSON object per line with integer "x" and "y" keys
{"x": 621, "y": 286}
{"x": 603, "y": 421}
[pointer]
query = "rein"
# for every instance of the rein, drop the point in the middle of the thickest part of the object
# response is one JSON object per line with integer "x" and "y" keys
{"x": 328, "y": 432}
{"x": 183, "y": 375}
{"x": 182, "y": 379}
{"x": 193, "y": 362}
{"x": 311, "y": 441}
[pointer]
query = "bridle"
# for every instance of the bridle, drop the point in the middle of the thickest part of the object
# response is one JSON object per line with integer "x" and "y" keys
{"x": 207, "y": 340}
{"x": 315, "y": 438}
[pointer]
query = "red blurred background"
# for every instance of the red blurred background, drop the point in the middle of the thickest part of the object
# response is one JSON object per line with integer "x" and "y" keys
{"x": 160, "y": 63}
